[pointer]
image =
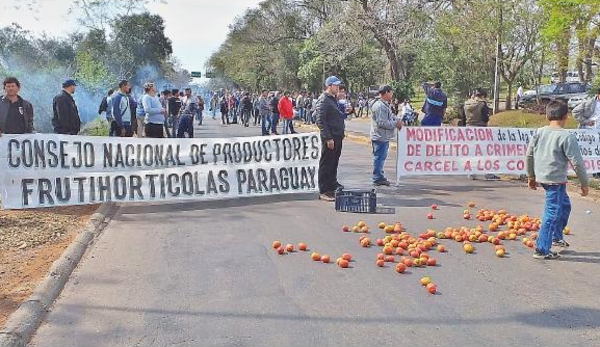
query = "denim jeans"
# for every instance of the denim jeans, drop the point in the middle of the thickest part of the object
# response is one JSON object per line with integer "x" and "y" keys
{"x": 286, "y": 126}
{"x": 175, "y": 127}
{"x": 380, "y": 152}
{"x": 266, "y": 124}
{"x": 274, "y": 121}
{"x": 556, "y": 216}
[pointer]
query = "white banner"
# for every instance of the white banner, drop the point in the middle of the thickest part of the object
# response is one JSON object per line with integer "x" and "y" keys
{"x": 43, "y": 170}
{"x": 469, "y": 150}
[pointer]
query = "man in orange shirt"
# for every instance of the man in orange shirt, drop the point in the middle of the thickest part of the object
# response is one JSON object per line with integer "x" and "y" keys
{"x": 286, "y": 111}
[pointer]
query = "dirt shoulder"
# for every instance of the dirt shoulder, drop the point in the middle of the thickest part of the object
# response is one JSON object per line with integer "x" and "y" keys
{"x": 30, "y": 241}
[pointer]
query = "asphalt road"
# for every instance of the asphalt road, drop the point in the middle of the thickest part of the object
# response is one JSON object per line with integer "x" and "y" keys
{"x": 204, "y": 274}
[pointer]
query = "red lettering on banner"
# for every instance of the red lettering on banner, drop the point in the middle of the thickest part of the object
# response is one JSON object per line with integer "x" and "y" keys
{"x": 506, "y": 150}
{"x": 413, "y": 150}
{"x": 431, "y": 166}
{"x": 488, "y": 165}
{"x": 516, "y": 165}
{"x": 448, "y": 134}
{"x": 451, "y": 150}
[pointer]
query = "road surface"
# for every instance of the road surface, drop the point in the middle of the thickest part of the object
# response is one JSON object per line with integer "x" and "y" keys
{"x": 204, "y": 274}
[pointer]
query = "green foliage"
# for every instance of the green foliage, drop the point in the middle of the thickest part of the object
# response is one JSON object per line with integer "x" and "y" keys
{"x": 403, "y": 90}
{"x": 521, "y": 119}
{"x": 92, "y": 72}
{"x": 97, "y": 127}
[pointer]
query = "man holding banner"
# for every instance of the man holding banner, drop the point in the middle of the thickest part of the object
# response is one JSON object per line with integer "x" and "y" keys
{"x": 383, "y": 126}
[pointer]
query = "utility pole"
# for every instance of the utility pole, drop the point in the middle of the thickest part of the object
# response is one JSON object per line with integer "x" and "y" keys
{"x": 498, "y": 58}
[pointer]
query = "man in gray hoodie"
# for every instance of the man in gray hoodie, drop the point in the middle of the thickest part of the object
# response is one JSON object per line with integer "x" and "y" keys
{"x": 383, "y": 129}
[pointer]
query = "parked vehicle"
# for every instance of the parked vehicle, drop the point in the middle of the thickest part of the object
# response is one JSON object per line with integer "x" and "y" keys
{"x": 556, "y": 91}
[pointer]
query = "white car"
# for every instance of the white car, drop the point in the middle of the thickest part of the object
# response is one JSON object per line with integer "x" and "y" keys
{"x": 575, "y": 100}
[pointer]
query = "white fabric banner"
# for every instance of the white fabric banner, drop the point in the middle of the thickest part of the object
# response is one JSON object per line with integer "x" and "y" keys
{"x": 45, "y": 170}
{"x": 470, "y": 150}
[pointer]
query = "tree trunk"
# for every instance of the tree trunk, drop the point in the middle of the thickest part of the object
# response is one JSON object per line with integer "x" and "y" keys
{"x": 589, "y": 52}
{"x": 509, "y": 84}
{"x": 562, "y": 52}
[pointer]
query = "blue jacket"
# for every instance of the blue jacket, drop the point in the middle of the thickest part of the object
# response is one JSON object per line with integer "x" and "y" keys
{"x": 154, "y": 109}
{"x": 435, "y": 103}
{"x": 121, "y": 108}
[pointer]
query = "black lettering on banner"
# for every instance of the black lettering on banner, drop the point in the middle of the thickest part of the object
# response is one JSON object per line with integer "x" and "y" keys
{"x": 44, "y": 191}
{"x": 119, "y": 160}
{"x": 52, "y": 147}
{"x": 159, "y": 158}
{"x": 277, "y": 149}
{"x": 304, "y": 148}
{"x": 77, "y": 161}
{"x": 262, "y": 180}
{"x": 211, "y": 185}
{"x": 104, "y": 188}
{"x": 27, "y": 153}
{"x": 13, "y": 145}
{"x": 194, "y": 154}
{"x": 224, "y": 187}
{"x": 177, "y": 156}
{"x": 242, "y": 178}
{"x": 297, "y": 147}
{"x": 315, "y": 146}
{"x": 237, "y": 152}
{"x": 120, "y": 187}
{"x": 247, "y": 151}
{"x": 129, "y": 155}
{"x": 40, "y": 154}
{"x": 138, "y": 155}
{"x": 203, "y": 160}
{"x": 312, "y": 170}
{"x": 64, "y": 156}
{"x": 25, "y": 190}
{"x": 285, "y": 179}
{"x": 197, "y": 184}
{"x": 187, "y": 183}
{"x": 163, "y": 192}
{"x": 108, "y": 155}
{"x": 274, "y": 185}
{"x": 80, "y": 189}
{"x": 90, "y": 154}
{"x": 92, "y": 189}
{"x": 216, "y": 152}
{"x": 252, "y": 187}
{"x": 294, "y": 178}
{"x": 268, "y": 156}
{"x": 148, "y": 155}
{"x": 63, "y": 194}
{"x": 135, "y": 187}
{"x": 151, "y": 178}
{"x": 287, "y": 149}
{"x": 170, "y": 157}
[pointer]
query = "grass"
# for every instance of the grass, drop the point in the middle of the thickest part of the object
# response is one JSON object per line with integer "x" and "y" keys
{"x": 520, "y": 119}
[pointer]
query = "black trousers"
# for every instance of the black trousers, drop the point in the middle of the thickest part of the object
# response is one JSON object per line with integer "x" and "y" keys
{"x": 328, "y": 165}
{"x": 155, "y": 130}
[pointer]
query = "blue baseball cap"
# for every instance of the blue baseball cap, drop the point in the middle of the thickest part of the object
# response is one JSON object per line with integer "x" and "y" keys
{"x": 332, "y": 81}
{"x": 68, "y": 83}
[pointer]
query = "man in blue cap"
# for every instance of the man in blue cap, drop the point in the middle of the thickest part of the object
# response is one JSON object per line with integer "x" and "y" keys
{"x": 66, "y": 116}
{"x": 330, "y": 121}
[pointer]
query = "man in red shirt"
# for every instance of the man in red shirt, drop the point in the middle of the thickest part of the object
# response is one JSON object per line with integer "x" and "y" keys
{"x": 286, "y": 111}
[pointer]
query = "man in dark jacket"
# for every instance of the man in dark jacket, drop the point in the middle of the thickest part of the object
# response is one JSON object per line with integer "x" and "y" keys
{"x": 435, "y": 106}
{"x": 16, "y": 113}
{"x": 274, "y": 103}
{"x": 66, "y": 119}
{"x": 246, "y": 109}
{"x": 330, "y": 121}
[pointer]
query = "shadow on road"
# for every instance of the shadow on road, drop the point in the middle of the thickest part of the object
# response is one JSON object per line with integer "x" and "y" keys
{"x": 580, "y": 257}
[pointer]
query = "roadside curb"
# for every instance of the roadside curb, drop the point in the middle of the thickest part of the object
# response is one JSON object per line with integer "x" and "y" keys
{"x": 23, "y": 323}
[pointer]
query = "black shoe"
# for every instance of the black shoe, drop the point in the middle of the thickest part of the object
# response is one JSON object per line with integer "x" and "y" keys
{"x": 383, "y": 182}
{"x": 561, "y": 243}
{"x": 549, "y": 256}
{"x": 275, "y": 133}
{"x": 338, "y": 185}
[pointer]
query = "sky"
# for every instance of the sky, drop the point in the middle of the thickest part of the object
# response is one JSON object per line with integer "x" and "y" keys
{"x": 196, "y": 27}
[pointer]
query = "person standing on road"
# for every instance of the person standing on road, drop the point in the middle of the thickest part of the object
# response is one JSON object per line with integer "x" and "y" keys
{"x": 519, "y": 96}
{"x": 214, "y": 104}
{"x": 140, "y": 115}
{"x": 477, "y": 114}
{"x": 224, "y": 108}
{"x": 155, "y": 112}
{"x": 16, "y": 113}
{"x": 264, "y": 110}
{"x": 66, "y": 119}
{"x": 549, "y": 153}
{"x": 274, "y": 113}
{"x": 246, "y": 106}
{"x": 200, "y": 111}
{"x": 105, "y": 106}
{"x": 300, "y": 106}
{"x": 286, "y": 112}
{"x": 383, "y": 126}
{"x": 188, "y": 110}
{"x": 121, "y": 110}
{"x": 174, "y": 108}
{"x": 331, "y": 126}
{"x": 435, "y": 106}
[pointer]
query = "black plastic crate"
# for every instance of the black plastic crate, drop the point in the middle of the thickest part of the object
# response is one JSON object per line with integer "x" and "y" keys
{"x": 356, "y": 200}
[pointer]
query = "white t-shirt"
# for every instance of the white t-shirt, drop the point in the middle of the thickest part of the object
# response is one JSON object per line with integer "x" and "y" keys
{"x": 595, "y": 118}
{"x": 407, "y": 109}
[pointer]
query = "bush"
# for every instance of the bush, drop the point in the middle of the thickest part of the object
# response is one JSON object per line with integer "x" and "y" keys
{"x": 403, "y": 90}
{"x": 97, "y": 127}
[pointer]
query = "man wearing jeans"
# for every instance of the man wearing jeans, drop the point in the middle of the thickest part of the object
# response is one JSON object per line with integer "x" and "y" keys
{"x": 383, "y": 126}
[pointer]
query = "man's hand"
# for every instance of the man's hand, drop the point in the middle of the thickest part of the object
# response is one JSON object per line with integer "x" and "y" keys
{"x": 399, "y": 124}
{"x": 330, "y": 144}
{"x": 123, "y": 132}
{"x": 532, "y": 183}
{"x": 585, "y": 191}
